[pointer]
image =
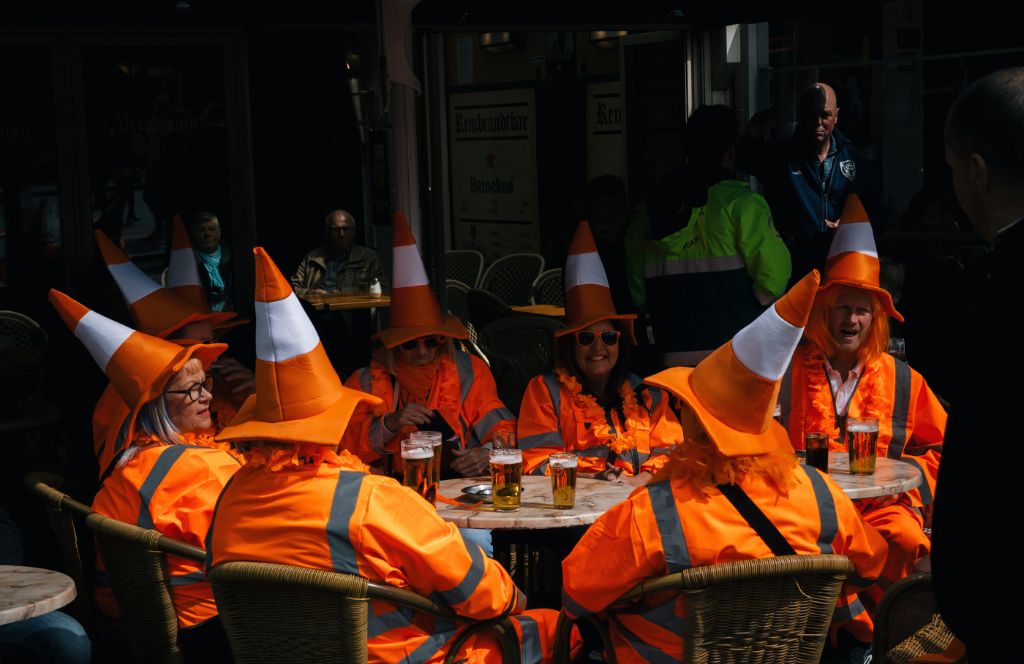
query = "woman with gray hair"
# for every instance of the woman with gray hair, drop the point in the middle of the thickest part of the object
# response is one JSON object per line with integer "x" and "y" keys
{"x": 164, "y": 480}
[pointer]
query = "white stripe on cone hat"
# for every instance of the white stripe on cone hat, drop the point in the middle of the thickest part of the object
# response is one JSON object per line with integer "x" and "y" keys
{"x": 588, "y": 299}
{"x": 156, "y": 310}
{"x": 183, "y": 276}
{"x": 733, "y": 390}
{"x": 299, "y": 397}
{"x": 853, "y": 257}
{"x": 138, "y": 365}
{"x": 414, "y": 311}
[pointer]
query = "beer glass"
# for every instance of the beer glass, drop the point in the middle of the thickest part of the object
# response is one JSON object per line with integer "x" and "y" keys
{"x": 418, "y": 468}
{"x": 503, "y": 437}
{"x": 816, "y": 450}
{"x": 563, "y": 480}
{"x": 861, "y": 437}
{"x": 506, "y": 478}
{"x": 432, "y": 438}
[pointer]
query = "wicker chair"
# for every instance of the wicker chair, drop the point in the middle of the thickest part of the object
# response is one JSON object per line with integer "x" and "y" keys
{"x": 519, "y": 348}
{"x": 485, "y": 307}
{"x": 511, "y": 277}
{"x": 457, "y": 294}
{"x": 548, "y": 288}
{"x": 66, "y": 515}
{"x": 279, "y": 613}
{"x": 22, "y": 340}
{"x": 464, "y": 265}
{"x": 136, "y": 561}
{"x": 907, "y": 625}
{"x": 763, "y": 610}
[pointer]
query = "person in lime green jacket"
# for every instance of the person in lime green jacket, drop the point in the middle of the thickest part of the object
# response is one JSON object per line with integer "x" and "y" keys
{"x": 715, "y": 261}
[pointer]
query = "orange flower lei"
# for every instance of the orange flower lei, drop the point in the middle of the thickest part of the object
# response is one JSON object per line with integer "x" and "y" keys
{"x": 200, "y": 439}
{"x": 593, "y": 412}
{"x": 278, "y": 456}
{"x": 820, "y": 413}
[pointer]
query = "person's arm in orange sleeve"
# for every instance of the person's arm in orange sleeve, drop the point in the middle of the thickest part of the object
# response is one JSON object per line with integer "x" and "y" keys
{"x": 365, "y": 436}
{"x": 483, "y": 409}
{"x": 666, "y": 432}
{"x": 617, "y": 552}
{"x": 924, "y": 449}
{"x": 537, "y": 434}
{"x": 857, "y": 540}
{"x": 408, "y": 545}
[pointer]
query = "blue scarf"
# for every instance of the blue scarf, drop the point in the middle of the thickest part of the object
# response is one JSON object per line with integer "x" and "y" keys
{"x": 212, "y": 264}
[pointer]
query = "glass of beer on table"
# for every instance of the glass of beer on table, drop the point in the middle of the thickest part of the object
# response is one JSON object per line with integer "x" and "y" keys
{"x": 861, "y": 437}
{"x": 563, "y": 480}
{"x": 816, "y": 450}
{"x": 432, "y": 438}
{"x": 418, "y": 468}
{"x": 506, "y": 478}
{"x": 504, "y": 436}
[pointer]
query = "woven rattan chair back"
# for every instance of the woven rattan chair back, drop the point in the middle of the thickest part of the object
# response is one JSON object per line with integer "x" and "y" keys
{"x": 511, "y": 277}
{"x": 548, "y": 288}
{"x": 464, "y": 265}
{"x": 907, "y": 622}
{"x": 768, "y": 610}
{"x": 137, "y": 565}
{"x": 279, "y": 613}
{"x": 457, "y": 294}
{"x": 22, "y": 340}
{"x": 485, "y": 307}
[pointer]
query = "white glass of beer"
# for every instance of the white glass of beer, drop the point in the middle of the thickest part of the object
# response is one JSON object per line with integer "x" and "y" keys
{"x": 504, "y": 436}
{"x": 506, "y": 478}
{"x": 418, "y": 468}
{"x": 432, "y": 438}
{"x": 563, "y": 479}
{"x": 861, "y": 437}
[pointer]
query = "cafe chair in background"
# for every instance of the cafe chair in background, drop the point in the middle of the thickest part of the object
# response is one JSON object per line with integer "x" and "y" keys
{"x": 548, "y": 288}
{"x": 457, "y": 297}
{"x": 511, "y": 277}
{"x": 464, "y": 265}
{"x": 519, "y": 348}
{"x": 136, "y": 561}
{"x": 279, "y": 613}
{"x": 485, "y": 307}
{"x": 769, "y": 610}
{"x": 908, "y": 625}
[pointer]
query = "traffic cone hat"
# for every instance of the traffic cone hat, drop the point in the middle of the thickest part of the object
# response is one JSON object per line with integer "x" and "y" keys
{"x": 853, "y": 257}
{"x": 299, "y": 397}
{"x": 414, "y": 311}
{"x": 734, "y": 389}
{"x": 588, "y": 299}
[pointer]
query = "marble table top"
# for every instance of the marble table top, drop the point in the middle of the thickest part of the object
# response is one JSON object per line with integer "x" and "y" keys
{"x": 26, "y": 592}
{"x": 891, "y": 477}
{"x": 593, "y": 498}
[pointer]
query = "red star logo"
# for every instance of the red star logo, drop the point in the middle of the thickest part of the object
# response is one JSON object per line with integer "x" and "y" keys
{"x": 490, "y": 157}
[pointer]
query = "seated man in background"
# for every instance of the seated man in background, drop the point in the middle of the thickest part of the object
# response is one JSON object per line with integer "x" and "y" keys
{"x": 327, "y": 269}
{"x": 690, "y": 514}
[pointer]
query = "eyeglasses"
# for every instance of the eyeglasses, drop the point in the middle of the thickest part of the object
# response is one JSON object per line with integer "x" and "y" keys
{"x": 195, "y": 390}
{"x": 430, "y": 342}
{"x": 341, "y": 230}
{"x": 608, "y": 337}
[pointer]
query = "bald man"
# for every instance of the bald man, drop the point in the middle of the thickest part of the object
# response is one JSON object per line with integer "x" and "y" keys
{"x": 808, "y": 176}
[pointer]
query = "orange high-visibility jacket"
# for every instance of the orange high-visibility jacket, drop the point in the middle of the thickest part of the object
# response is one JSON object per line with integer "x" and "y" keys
{"x": 551, "y": 420}
{"x": 171, "y": 489}
{"x": 463, "y": 392}
{"x": 667, "y": 526}
{"x": 912, "y": 430}
{"x": 110, "y": 423}
{"x": 330, "y": 516}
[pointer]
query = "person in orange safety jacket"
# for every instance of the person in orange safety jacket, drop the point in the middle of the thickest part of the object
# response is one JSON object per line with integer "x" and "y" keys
{"x": 163, "y": 480}
{"x": 686, "y": 516}
{"x": 417, "y": 370}
{"x": 178, "y": 312}
{"x": 842, "y": 370}
{"x": 591, "y": 404}
{"x": 298, "y": 500}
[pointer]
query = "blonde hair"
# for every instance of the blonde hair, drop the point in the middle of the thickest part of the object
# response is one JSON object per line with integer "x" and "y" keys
{"x": 700, "y": 465}
{"x": 817, "y": 325}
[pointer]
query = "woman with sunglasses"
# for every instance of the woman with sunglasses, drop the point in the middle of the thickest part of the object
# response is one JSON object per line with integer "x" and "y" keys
{"x": 591, "y": 403}
{"x": 425, "y": 382}
{"x": 163, "y": 480}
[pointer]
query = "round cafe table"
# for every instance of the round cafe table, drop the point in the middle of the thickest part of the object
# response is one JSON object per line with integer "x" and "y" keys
{"x": 891, "y": 476}
{"x": 27, "y": 592}
{"x": 532, "y": 542}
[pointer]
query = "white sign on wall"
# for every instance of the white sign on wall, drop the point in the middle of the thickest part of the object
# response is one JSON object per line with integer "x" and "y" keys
{"x": 494, "y": 171}
{"x": 605, "y": 140}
